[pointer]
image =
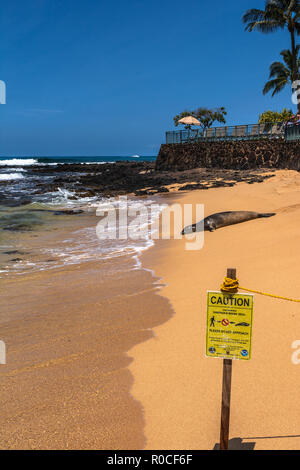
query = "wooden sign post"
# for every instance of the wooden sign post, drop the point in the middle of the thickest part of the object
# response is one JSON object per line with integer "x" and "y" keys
{"x": 229, "y": 321}
{"x": 226, "y": 391}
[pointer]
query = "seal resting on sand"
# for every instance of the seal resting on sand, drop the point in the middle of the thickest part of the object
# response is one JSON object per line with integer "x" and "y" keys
{"x": 222, "y": 219}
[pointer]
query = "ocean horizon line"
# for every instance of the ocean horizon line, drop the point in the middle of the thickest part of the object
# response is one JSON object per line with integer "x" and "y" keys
{"x": 76, "y": 156}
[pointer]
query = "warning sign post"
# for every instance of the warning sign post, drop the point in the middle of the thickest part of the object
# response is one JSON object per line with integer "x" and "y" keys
{"x": 228, "y": 336}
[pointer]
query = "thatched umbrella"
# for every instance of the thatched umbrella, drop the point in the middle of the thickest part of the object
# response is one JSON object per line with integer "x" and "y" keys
{"x": 190, "y": 121}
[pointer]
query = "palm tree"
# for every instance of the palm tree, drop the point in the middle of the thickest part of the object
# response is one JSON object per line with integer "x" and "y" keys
{"x": 278, "y": 14}
{"x": 281, "y": 74}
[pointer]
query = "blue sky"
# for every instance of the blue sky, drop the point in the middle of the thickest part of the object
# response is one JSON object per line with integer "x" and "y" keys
{"x": 92, "y": 77}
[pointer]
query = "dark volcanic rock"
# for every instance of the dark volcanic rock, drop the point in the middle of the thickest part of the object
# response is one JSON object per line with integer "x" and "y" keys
{"x": 240, "y": 155}
{"x": 139, "y": 178}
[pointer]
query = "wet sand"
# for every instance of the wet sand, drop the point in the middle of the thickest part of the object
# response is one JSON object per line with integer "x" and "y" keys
{"x": 66, "y": 384}
{"x": 180, "y": 389}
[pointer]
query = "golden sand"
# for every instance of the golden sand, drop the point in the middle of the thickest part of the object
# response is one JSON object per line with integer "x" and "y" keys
{"x": 70, "y": 382}
{"x": 180, "y": 389}
{"x": 66, "y": 384}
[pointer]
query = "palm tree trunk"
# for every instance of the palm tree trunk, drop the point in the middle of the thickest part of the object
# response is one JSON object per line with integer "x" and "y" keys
{"x": 294, "y": 57}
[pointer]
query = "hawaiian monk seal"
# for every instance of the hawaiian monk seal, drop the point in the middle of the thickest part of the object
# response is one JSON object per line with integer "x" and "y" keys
{"x": 222, "y": 219}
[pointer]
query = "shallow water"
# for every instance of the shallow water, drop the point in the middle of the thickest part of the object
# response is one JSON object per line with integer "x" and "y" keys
{"x": 34, "y": 239}
{"x": 39, "y": 231}
{"x": 72, "y": 306}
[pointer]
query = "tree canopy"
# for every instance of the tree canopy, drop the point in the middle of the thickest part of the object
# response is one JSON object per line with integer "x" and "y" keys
{"x": 276, "y": 116}
{"x": 279, "y": 14}
{"x": 281, "y": 73}
{"x": 206, "y": 116}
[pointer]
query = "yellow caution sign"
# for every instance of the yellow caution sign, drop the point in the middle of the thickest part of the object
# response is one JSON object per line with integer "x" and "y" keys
{"x": 229, "y": 325}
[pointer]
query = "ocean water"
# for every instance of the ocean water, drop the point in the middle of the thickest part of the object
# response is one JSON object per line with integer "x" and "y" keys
{"x": 24, "y": 180}
{"x": 35, "y": 232}
{"x": 28, "y": 161}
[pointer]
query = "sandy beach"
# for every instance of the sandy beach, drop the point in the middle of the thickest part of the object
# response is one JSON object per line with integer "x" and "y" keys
{"x": 66, "y": 384}
{"x": 180, "y": 389}
{"x": 145, "y": 161}
{"x": 100, "y": 355}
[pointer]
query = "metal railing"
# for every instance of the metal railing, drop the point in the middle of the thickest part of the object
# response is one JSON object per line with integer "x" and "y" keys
{"x": 245, "y": 132}
{"x": 292, "y": 132}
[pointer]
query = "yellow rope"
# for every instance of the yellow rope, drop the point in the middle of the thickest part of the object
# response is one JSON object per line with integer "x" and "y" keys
{"x": 232, "y": 285}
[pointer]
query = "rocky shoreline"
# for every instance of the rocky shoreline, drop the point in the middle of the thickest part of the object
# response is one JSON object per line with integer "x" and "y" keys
{"x": 138, "y": 178}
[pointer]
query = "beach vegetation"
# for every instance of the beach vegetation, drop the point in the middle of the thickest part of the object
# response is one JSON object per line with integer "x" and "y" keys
{"x": 206, "y": 116}
{"x": 275, "y": 116}
{"x": 278, "y": 14}
{"x": 281, "y": 73}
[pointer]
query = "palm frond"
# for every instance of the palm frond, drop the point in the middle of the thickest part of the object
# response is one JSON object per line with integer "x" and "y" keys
{"x": 268, "y": 26}
{"x": 269, "y": 86}
{"x": 258, "y": 20}
{"x": 291, "y": 7}
{"x": 276, "y": 85}
{"x": 277, "y": 69}
{"x": 279, "y": 87}
{"x": 277, "y": 14}
{"x": 285, "y": 5}
{"x": 251, "y": 17}
{"x": 287, "y": 57}
{"x": 281, "y": 74}
{"x": 282, "y": 4}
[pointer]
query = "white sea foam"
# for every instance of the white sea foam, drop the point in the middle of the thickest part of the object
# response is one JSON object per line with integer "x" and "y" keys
{"x": 83, "y": 245}
{"x": 17, "y": 169}
{"x": 92, "y": 163}
{"x": 18, "y": 162}
{"x": 11, "y": 176}
{"x": 64, "y": 197}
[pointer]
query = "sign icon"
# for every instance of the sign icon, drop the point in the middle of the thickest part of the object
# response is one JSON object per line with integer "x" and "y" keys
{"x": 244, "y": 353}
{"x": 225, "y": 322}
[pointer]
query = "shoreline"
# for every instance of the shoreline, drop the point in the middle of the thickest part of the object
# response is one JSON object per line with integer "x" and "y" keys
{"x": 116, "y": 361}
{"x": 181, "y": 390}
{"x": 77, "y": 182}
{"x": 68, "y": 330}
